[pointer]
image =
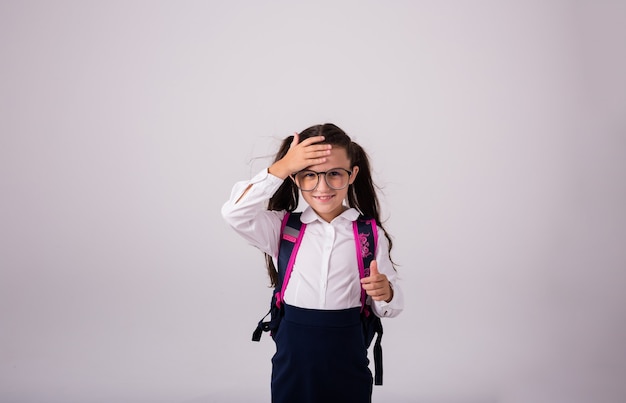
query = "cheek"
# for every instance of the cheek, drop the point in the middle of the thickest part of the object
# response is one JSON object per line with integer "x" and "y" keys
{"x": 306, "y": 196}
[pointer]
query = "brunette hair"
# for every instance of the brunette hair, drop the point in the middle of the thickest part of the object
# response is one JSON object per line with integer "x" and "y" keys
{"x": 361, "y": 193}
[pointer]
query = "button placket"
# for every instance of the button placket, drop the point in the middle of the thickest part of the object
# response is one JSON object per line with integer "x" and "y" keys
{"x": 329, "y": 239}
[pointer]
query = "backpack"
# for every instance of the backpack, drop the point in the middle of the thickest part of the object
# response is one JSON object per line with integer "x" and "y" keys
{"x": 365, "y": 236}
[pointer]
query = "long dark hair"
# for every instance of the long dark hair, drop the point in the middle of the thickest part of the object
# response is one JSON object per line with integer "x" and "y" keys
{"x": 361, "y": 194}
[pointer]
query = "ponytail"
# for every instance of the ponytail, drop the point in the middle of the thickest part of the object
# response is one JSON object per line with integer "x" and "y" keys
{"x": 362, "y": 192}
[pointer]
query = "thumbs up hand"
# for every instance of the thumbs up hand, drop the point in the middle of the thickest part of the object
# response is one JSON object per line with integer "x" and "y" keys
{"x": 377, "y": 285}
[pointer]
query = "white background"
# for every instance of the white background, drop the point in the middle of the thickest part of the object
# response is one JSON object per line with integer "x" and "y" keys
{"x": 496, "y": 130}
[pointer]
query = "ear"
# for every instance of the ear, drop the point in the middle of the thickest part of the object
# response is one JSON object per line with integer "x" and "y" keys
{"x": 355, "y": 171}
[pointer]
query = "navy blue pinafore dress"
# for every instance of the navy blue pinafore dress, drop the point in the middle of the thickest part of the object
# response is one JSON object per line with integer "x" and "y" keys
{"x": 320, "y": 358}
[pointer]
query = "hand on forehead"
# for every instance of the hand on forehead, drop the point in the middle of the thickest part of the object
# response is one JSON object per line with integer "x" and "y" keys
{"x": 338, "y": 158}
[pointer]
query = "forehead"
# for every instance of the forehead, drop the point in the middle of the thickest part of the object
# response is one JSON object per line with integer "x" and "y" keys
{"x": 338, "y": 158}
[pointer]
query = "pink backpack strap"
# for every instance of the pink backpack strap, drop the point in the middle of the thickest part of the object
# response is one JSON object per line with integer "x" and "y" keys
{"x": 366, "y": 239}
{"x": 291, "y": 232}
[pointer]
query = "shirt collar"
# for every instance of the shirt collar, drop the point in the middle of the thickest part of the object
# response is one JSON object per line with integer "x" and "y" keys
{"x": 309, "y": 215}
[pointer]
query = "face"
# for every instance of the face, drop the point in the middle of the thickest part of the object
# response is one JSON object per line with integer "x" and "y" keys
{"x": 326, "y": 201}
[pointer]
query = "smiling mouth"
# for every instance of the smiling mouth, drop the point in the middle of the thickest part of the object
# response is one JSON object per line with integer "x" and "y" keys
{"x": 323, "y": 198}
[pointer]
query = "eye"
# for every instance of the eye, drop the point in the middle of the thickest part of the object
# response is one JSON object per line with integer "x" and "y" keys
{"x": 308, "y": 174}
{"x": 335, "y": 173}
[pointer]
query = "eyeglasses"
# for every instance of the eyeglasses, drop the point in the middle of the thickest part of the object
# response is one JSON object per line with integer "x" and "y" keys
{"x": 336, "y": 179}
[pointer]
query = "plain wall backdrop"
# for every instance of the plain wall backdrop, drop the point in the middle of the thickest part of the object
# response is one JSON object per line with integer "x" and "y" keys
{"x": 497, "y": 134}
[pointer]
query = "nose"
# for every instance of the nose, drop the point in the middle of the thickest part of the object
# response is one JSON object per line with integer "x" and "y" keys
{"x": 321, "y": 182}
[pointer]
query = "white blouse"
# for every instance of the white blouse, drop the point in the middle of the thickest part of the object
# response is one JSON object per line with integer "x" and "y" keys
{"x": 325, "y": 273}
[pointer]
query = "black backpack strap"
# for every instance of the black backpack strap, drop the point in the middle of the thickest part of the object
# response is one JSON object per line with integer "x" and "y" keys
{"x": 261, "y": 327}
{"x": 366, "y": 236}
{"x": 291, "y": 234}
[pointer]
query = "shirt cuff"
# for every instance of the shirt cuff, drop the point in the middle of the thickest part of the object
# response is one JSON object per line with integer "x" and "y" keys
{"x": 393, "y": 307}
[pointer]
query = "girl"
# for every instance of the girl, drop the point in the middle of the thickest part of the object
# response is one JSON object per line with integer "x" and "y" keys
{"x": 320, "y": 353}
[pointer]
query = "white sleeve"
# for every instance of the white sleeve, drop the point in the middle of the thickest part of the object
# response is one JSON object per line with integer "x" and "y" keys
{"x": 396, "y": 305}
{"x": 246, "y": 212}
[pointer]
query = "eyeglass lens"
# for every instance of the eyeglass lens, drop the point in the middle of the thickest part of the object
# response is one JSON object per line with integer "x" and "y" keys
{"x": 335, "y": 179}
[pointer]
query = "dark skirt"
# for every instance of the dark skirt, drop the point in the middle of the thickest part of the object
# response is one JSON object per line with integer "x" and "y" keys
{"x": 320, "y": 357}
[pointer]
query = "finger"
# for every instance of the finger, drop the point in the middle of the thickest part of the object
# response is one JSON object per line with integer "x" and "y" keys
{"x": 295, "y": 140}
{"x": 373, "y": 282}
{"x": 374, "y": 268}
{"x": 311, "y": 156}
{"x": 376, "y": 289}
{"x": 313, "y": 140}
{"x": 377, "y": 293}
{"x": 313, "y": 162}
